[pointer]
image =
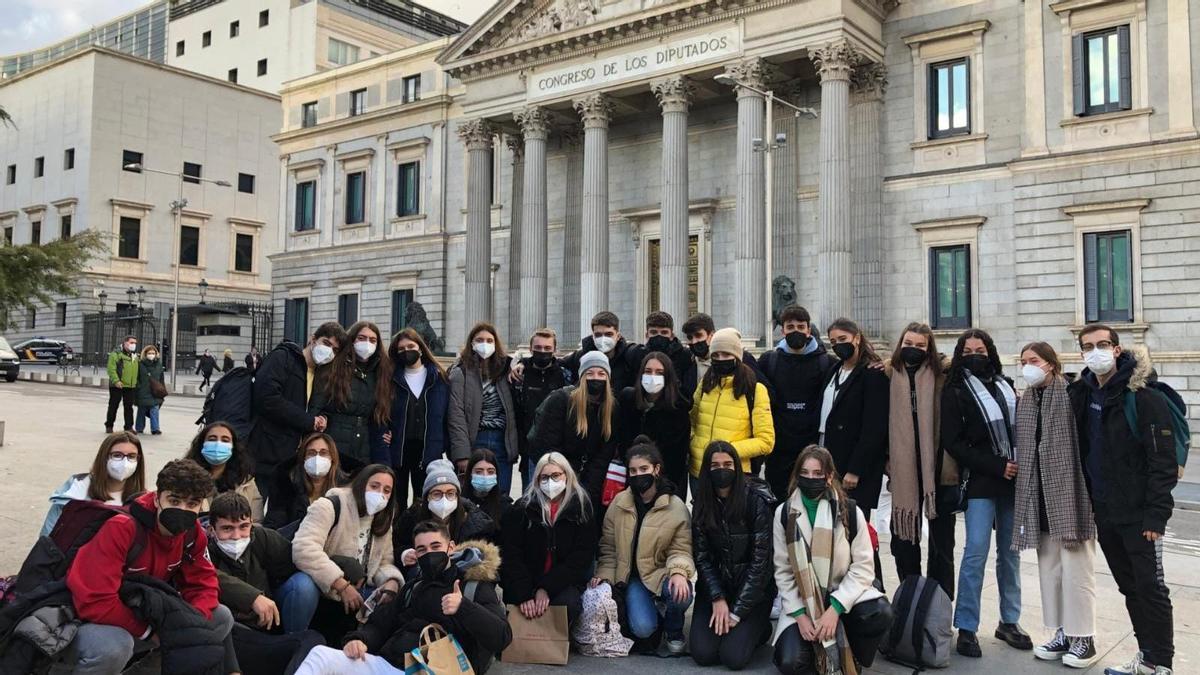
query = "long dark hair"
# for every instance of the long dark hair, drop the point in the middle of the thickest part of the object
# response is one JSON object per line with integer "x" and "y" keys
{"x": 491, "y": 504}
{"x": 704, "y": 507}
{"x": 98, "y": 483}
{"x": 493, "y": 367}
{"x": 427, "y": 356}
{"x": 646, "y": 449}
{"x": 382, "y": 522}
{"x": 333, "y": 479}
{"x": 239, "y": 468}
{"x": 344, "y": 367}
{"x": 670, "y": 392}
{"x": 866, "y": 353}
{"x": 956, "y": 366}
{"x": 744, "y": 380}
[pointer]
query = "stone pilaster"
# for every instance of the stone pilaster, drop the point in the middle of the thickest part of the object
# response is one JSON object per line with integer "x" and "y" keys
{"x": 535, "y": 126}
{"x": 596, "y": 111}
{"x": 674, "y": 96}
{"x": 476, "y": 135}
{"x": 867, "y": 85}
{"x": 516, "y": 146}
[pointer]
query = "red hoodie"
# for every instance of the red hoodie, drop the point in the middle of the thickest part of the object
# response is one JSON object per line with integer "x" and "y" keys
{"x": 96, "y": 574}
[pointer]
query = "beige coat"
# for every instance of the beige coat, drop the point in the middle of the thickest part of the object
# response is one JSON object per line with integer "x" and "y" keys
{"x": 664, "y": 547}
{"x": 314, "y": 543}
{"x": 853, "y": 563}
{"x": 249, "y": 490}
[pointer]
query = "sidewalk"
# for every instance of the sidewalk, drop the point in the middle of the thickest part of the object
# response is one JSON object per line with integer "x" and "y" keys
{"x": 187, "y": 384}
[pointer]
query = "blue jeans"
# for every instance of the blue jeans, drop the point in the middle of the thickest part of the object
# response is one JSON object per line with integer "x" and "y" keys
{"x": 297, "y": 599}
{"x": 642, "y": 611}
{"x": 142, "y": 413}
{"x": 980, "y": 516}
{"x": 493, "y": 439}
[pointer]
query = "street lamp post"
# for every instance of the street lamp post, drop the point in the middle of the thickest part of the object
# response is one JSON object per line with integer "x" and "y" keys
{"x": 177, "y": 206}
{"x": 203, "y": 285}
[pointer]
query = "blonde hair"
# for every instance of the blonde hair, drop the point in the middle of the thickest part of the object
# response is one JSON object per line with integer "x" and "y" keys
{"x": 574, "y": 491}
{"x": 579, "y": 403}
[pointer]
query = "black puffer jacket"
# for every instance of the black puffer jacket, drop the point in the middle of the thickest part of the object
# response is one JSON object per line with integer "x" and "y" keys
{"x": 190, "y": 643}
{"x": 350, "y": 424}
{"x": 476, "y": 524}
{"x": 554, "y": 429}
{"x": 18, "y": 655}
{"x": 281, "y": 418}
{"x": 526, "y": 540}
{"x": 734, "y": 562}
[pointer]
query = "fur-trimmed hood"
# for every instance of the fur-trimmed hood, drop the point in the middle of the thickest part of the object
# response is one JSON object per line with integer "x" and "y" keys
{"x": 1142, "y": 366}
{"x": 478, "y": 560}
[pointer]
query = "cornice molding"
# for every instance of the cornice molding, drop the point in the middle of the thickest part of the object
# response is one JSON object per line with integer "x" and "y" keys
{"x": 970, "y": 28}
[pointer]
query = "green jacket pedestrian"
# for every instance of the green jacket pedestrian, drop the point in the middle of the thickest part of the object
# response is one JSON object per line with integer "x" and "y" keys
{"x": 122, "y": 383}
{"x": 149, "y": 369}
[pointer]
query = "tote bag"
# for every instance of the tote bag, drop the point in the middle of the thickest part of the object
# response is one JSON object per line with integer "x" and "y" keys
{"x": 437, "y": 653}
{"x": 542, "y": 640}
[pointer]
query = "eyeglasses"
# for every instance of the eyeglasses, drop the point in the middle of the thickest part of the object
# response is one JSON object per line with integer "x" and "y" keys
{"x": 553, "y": 476}
{"x": 118, "y": 456}
{"x": 316, "y": 453}
{"x": 1103, "y": 344}
{"x": 442, "y": 494}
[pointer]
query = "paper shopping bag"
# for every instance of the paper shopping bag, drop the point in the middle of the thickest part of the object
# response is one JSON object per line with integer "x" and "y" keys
{"x": 542, "y": 640}
{"x": 437, "y": 653}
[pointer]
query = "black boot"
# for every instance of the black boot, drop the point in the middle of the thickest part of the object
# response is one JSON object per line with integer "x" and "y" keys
{"x": 1014, "y": 636}
{"x": 968, "y": 644}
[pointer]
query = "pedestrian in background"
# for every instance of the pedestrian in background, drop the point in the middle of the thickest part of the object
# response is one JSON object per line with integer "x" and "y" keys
{"x": 205, "y": 367}
{"x": 150, "y": 374}
{"x": 227, "y": 365}
{"x": 122, "y": 383}
{"x": 253, "y": 360}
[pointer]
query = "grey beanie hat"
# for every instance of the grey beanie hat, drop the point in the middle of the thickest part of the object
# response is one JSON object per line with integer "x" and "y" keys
{"x": 594, "y": 359}
{"x": 440, "y": 472}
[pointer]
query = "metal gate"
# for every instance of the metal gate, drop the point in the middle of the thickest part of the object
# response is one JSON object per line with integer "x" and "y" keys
{"x": 103, "y": 331}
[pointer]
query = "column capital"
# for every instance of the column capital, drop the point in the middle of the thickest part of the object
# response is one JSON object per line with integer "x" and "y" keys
{"x": 476, "y": 134}
{"x": 754, "y": 72}
{"x": 534, "y": 122}
{"x": 674, "y": 93}
{"x": 834, "y": 60}
{"x": 869, "y": 81}
{"x": 595, "y": 110}
{"x": 516, "y": 145}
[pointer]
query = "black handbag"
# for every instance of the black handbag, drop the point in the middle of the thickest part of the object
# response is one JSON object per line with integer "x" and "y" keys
{"x": 952, "y": 499}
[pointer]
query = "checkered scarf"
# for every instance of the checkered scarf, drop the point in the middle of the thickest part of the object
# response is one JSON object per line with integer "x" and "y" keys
{"x": 1054, "y": 461}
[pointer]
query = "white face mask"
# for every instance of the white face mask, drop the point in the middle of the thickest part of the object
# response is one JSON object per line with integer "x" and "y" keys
{"x": 152, "y": 357}
{"x": 1033, "y": 375}
{"x": 364, "y": 350}
{"x": 375, "y": 501}
{"x": 234, "y": 548}
{"x": 484, "y": 349}
{"x": 604, "y": 343}
{"x": 322, "y": 354}
{"x": 121, "y": 469}
{"x": 132, "y": 348}
{"x": 442, "y": 508}
{"x": 653, "y": 383}
{"x": 317, "y": 466}
{"x": 552, "y": 488}
{"x": 1100, "y": 361}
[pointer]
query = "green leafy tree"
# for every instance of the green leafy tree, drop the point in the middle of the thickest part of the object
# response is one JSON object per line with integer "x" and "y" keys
{"x": 32, "y": 274}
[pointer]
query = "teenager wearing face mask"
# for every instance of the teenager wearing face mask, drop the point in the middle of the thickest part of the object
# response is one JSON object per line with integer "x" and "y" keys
{"x": 260, "y": 585}
{"x": 660, "y": 337}
{"x": 606, "y": 339}
{"x": 1053, "y": 511}
{"x": 731, "y": 537}
{"x": 216, "y": 448}
{"x": 482, "y": 486}
{"x": 580, "y": 421}
{"x": 699, "y": 330}
{"x": 283, "y": 386}
{"x": 441, "y": 501}
{"x": 978, "y": 411}
{"x": 315, "y": 470}
{"x": 482, "y": 413}
{"x": 150, "y": 368}
{"x": 548, "y": 542}
{"x": 122, "y": 383}
{"x": 922, "y": 477}
{"x": 173, "y": 553}
{"x": 657, "y": 408}
{"x": 542, "y": 373}
{"x": 118, "y": 474}
{"x": 354, "y": 395}
{"x": 420, "y": 395}
{"x": 1131, "y": 468}
{"x": 824, "y": 568}
{"x": 456, "y": 589}
{"x": 646, "y": 545}
{"x": 352, "y": 522}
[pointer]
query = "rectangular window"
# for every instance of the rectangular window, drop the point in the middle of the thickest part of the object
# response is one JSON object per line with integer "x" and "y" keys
{"x": 950, "y": 286}
{"x": 950, "y": 98}
{"x": 189, "y": 245}
{"x": 401, "y": 299}
{"x": 243, "y": 253}
{"x": 295, "y": 320}
{"x": 1108, "y": 276}
{"x": 358, "y": 102}
{"x": 60, "y": 314}
{"x": 10, "y": 176}
{"x": 206, "y": 38}
{"x": 130, "y": 243}
{"x": 264, "y": 18}
{"x": 65, "y": 226}
{"x": 246, "y": 183}
{"x": 129, "y": 159}
{"x": 179, "y": 48}
{"x": 306, "y": 195}
{"x": 342, "y": 53}
{"x": 35, "y": 232}
{"x": 68, "y": 159}
{"x": 347, "y": 308}
{"x": 233, "y": 75}
{"x": 262, "y": 67}
{"x": 30, "y": 318}
{"x": 408, "y": 195}
{"x": 412, "y": 89}
{"x": 235, "y": 28}
{"x": 8, "y": 236}
{"x": 191, "y": 173}
{"x": 308, "y": 114}
{"x": 355, "y": 195}
{"x": 39, "y": 167}
{"x": 1100, "y": 62}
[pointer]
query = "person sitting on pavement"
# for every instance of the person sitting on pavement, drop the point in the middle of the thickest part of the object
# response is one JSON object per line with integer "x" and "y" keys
{"x": 118, "y": 474}
{"x": 260, "y": 585}
{"x": 456, "y": 589}
{"x": 442, "y": 502}
{"x": 164, "y": 523}
{"x": 150, "y": 368}
{"x": 481, "y": 488}
{"x": 217, "y": 449}
{"x": 314, "y": 471}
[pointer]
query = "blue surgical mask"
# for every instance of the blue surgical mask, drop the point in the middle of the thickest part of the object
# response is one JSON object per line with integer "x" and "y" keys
{"x": 483, "y": 484}
{"x": 216, "y": 452}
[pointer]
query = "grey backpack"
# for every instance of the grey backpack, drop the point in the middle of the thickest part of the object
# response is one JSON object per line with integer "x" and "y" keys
{"x": 921, "y": 635}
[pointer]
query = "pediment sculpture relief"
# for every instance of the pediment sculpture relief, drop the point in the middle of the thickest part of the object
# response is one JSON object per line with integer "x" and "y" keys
{"x": 560, "y": 16}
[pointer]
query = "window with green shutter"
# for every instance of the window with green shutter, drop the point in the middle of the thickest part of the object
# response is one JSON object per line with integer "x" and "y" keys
{"x": 950, "y": 286}
{"x": 401, "y": 299}
{"x": 408, "y": 193}
{"x": 1102, "y": 81}
{"x": 1108, "y": 276}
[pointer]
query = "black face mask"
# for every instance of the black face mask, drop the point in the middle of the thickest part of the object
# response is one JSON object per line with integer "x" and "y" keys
{"x": 979, "y": 364}
{"x": 722, "y": 478}
{"x": 912, "y": 356}
{"x": 596, "y": 387}
{"x": 409, "y": 357}
{"x": 796, "y": 339}
{"x": 542, "y": 359}
{"x": 844, "y": 350}
{"x": 700, "y": 349}
{"x": 658, "y": 343}
{"x": 433, "y": 563}
{"x": 176, "y": 521}
{"x": 641, "y": 482}
{"x": 811, "y": 487}
{"x": 724, "y": 367}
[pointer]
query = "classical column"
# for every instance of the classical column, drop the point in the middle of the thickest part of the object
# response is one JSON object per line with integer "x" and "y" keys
{"x": 750, "y": 247}
{"x": 867, "y": 84}
{"x": 516, "y": 145}
{"x": 596, "y": 111}
{"x": 535, "y": 126}
{"x": 476, "y": 135}
{"x": 674, "y": 95}
{"x": 834, "y": 62}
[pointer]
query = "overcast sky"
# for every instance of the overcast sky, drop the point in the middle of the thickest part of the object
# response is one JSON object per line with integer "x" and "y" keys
{"x": 29, "y": 24}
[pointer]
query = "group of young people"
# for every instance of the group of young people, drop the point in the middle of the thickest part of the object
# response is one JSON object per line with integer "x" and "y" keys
{"x": 312, "y": 539}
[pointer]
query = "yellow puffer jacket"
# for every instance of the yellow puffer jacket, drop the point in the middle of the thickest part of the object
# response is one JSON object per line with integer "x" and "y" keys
{"x": 718, "y": 416}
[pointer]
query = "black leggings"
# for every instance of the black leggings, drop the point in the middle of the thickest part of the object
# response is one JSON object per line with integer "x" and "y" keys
{"x": 865, "y": 625}
{"x": 734, "y": 649}
{"x": 272, "y": 654}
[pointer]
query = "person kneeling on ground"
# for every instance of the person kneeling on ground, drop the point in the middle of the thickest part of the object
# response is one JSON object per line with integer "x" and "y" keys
{"x": 254, "y": 570}
{"x": 456, "y": 589}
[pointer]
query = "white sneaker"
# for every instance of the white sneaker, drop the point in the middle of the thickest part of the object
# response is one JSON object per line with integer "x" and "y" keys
{"x": 1133, "y": 667}
{"x": 1082, "y": 653}
{"x": 1055, "y": 649}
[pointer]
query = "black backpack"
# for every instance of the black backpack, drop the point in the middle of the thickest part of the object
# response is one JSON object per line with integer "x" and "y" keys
{"x": 231, "y": 400}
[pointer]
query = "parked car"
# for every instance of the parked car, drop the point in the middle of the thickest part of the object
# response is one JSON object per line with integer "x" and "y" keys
{"x": 10, "y": 363}
{"x": 41, "y": 349}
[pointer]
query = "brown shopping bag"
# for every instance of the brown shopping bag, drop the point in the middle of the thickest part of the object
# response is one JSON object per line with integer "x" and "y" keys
{"x": 437, "y": 653}
{"x": 542, "y": 640}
